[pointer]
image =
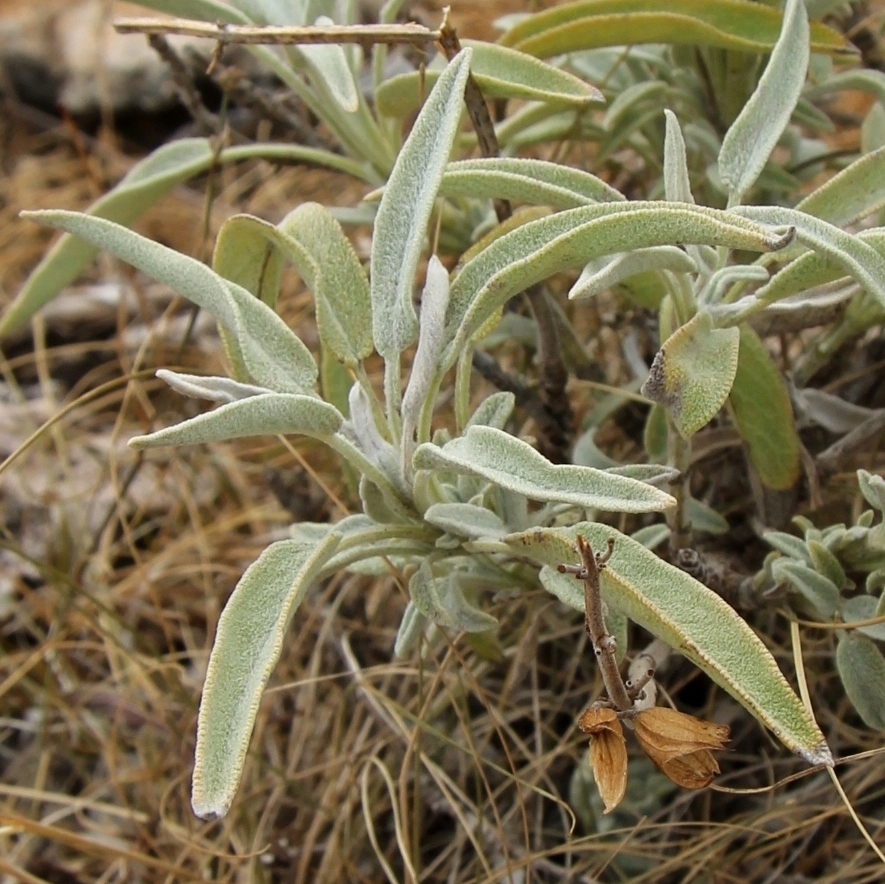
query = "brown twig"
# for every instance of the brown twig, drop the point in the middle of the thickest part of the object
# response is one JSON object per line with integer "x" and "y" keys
{"x": 604, "y": 644}
{"x": 183, "y": 80}
{"x": 279, "y": 36}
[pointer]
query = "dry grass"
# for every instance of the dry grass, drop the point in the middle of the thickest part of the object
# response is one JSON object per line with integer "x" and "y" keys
{"x": 459, "y": 765}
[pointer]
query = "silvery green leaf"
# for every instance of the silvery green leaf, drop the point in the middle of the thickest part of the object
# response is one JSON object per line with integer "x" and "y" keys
{"x": 872, "y": 130}
{"x": 725, "y": 277}
{"x": 530, "y": 181}
{"x": 213, "y": 388}
{"x": 677, "y": 187}
{"x": 856, "y": 192}
{"x": 652, "y": 473}
{"x": 145, "y": 183}
{"x": 500, "y": 73}
{"x": 563, "y": 586}
{"x": 410, "y": 630}
{"x": 872, "y": 487}
{"x": 329, "y": 64}
{"x": 827, "y": 564}
{"x": 829, "y": 411}
{"x": 249, "y": 250}
{"x": 864, "y": 607}
{"x": 820, "y": 592}
{"x": 379, "y": 507}
{"x": 861, "y": 80}
{"x": 570, "y": 239}
{"x": 705, "y": 518}
{"x": 652, "y": 536}
{"x": 401, "y": 222}
{"x": 264, "y": 414}
{"x": 493, "y": 411}
{"x": 631, "y": 101}
{"x": 788, "y": 545}
{"x": 247, "y": 646}
{"x": 365, "y": 430}
{"x": 760, "y": 407}
{"x": 604, "y": 274}
{"x": 466, "y": 520}
{"x": 693, "y": 373}
{"x": 434, "y": 302}
{"x": 692, "y": 618}
{"x": 852, "y": 253}
{"x": 862, "y": 670}
{"x": 273, "y": 355}
{"x": 753, "y": 135}
{"x": 441, "y": 600}
{"x": 514, "y": 465}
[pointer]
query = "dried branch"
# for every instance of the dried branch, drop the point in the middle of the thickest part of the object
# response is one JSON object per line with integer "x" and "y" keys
{"x": 223, "y": 33}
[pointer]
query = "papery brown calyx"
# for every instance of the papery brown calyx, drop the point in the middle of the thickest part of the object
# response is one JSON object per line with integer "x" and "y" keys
{"x": 608, "y": 753}
{"x": 680, "y": 746}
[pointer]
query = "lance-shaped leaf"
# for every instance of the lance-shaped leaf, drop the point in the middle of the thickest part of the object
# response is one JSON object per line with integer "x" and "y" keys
{"x": 753, "y": 135}
{"x": 213, "y": 388}
{"x": 691, "y": 619}
{"x": 401, "y": 222}
{"x": 514, "y": 465}
{"x": 145, "y": 184}
{"x": 434, "y": 301}
{"x": 329, "y": 64}
{"x": 265, "y": 414}
{"x": 500, "y": 73}
{"x": 142, "y": 186}
{"x": 693, "y": 372}
{"x": 535, "y": 182}
{"x": 676, "y": 184}
{"x": 440, "y": 599}
{"x": 726, "y": 24}
{"x": 465, "y": 520}
{"x": 760, "y": 406}
{"x": 247, "y": 646}
{"x": 273, "y": 355}
{"x": 822, "y": 594}
{"x": 856, "y": 257}
{"x": 857, "y": 191}
{"x": 570, "y": 239}
{"x": 248, "y": 249}
{"x": 862, "y": 670}
{"x": 602, "y": 275}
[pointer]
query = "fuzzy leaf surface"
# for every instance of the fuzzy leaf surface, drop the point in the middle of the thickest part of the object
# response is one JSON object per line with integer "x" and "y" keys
{"x": 500, "y": 73}
{"x": 693, "y": 372}
{"x": 862, "y": 670}
{"x": 514, "y": 465}
{"x": 693, "y": 620}
{"x": 852, "y": 253}
{"x": 401, "y": 222}
{"x": 265, "y": 414}
{"x": 568, "y": 240}
{"x": 724, "y": 24}
{"x": 530, "y": 181}
{"x": 273, "y": 355}
{"x": 760, "y": 405}
{"x": 247, "y": 646}
{"x": 755, "y": 133}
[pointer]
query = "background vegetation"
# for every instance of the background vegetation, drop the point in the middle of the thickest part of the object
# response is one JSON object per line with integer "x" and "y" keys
{"x": 460, "y": 762}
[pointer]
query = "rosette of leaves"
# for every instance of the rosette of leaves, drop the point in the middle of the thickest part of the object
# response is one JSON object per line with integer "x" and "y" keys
{"x": 819, "y": 568}
{"x": 462, "y": 513}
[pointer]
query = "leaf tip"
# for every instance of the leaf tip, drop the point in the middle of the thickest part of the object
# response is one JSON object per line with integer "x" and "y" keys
{"x": 818, "y": 755}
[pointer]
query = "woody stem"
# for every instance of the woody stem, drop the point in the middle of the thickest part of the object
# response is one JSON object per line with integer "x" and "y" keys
{"x": 604, "y": 644}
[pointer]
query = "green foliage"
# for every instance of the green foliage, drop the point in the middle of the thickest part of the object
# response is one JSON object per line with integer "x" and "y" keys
{"x": 452, "y": 508}
{"x": 816, "y": 570}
